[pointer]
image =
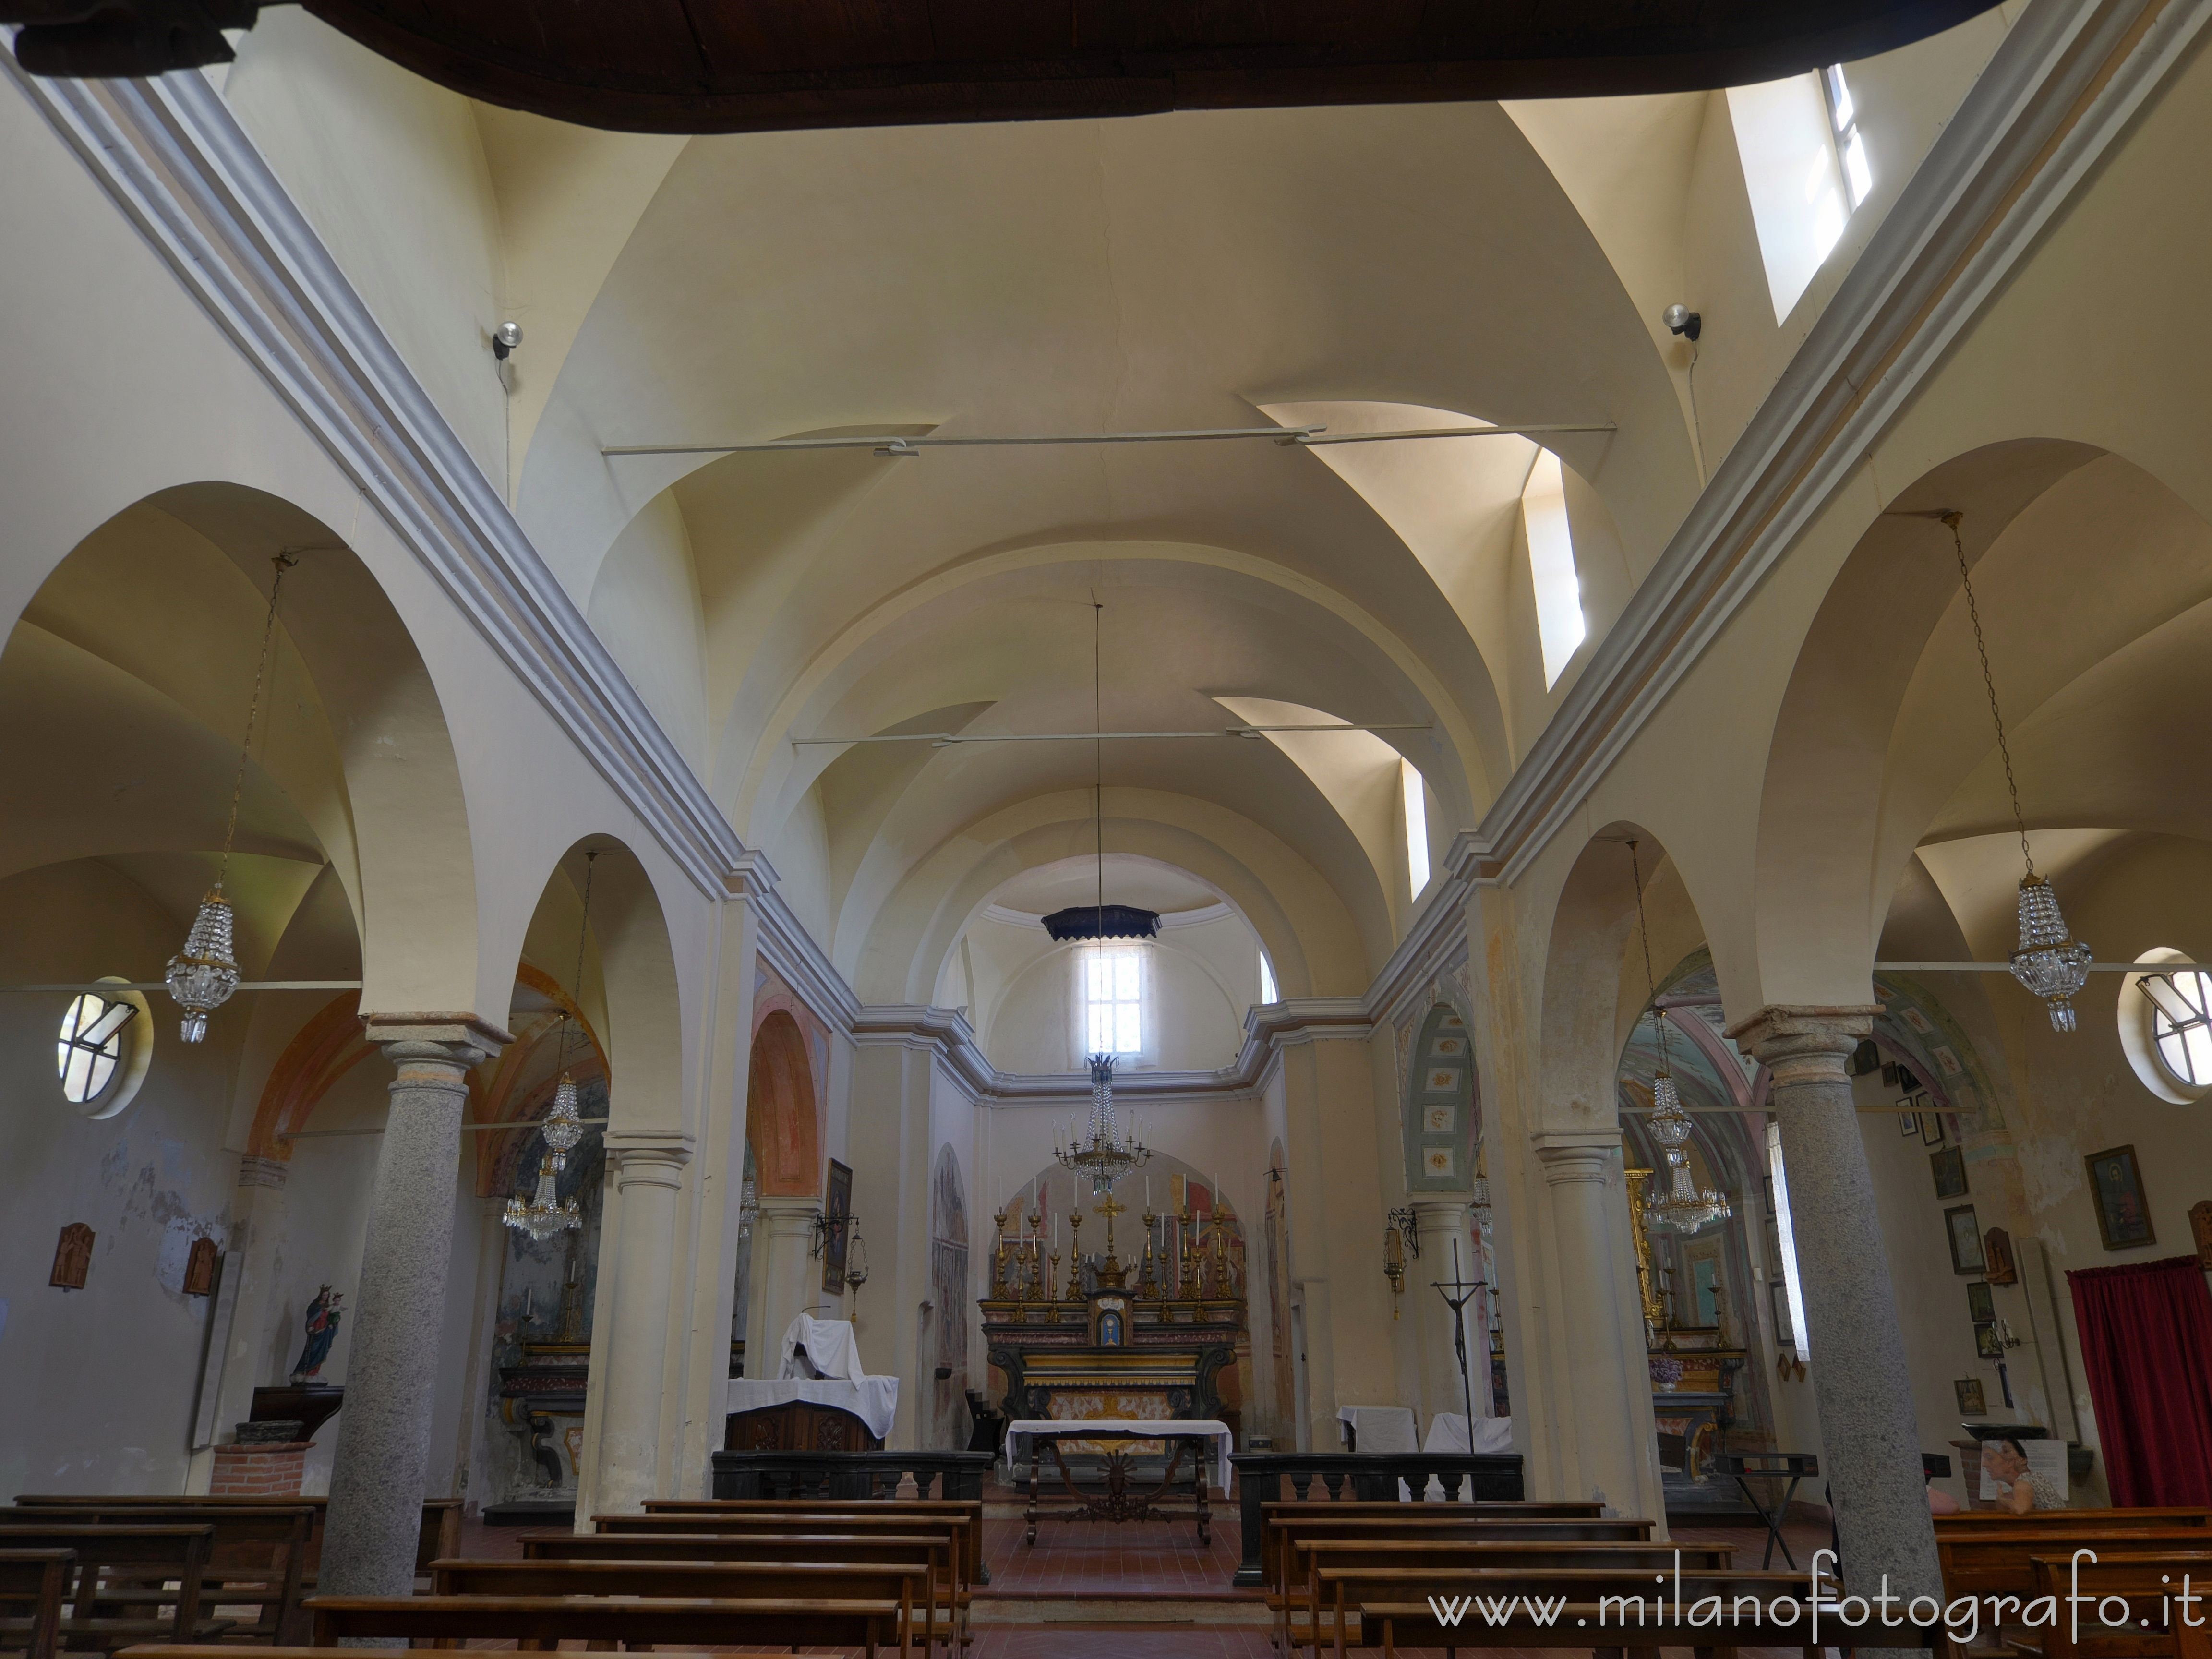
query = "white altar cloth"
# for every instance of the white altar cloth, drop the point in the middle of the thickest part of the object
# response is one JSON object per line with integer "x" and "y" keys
{"x": 1379, "y": 1428}
{"x": 874, "y": 1400}
{"x": 1448, "y": 1433}
{"x": 1224, "y": 1437}
{"x": 830, "y": 1349}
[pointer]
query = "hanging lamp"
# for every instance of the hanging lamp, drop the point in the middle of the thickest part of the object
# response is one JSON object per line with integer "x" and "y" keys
{"x": 1681, "y": 1205}
{"x": 2049, "y": 962}
{"x": 202, "y": 976}
{"x": 543, "y": 1214}
{"x": 1105, "y": 1152}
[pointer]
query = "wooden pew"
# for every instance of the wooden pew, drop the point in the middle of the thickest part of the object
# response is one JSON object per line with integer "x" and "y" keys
{"x": 798, "y": 1580}
{"x": 1998, "y": 1559}
{"x": 1343, "y": 1590}
{"x": 37, "y": 1580}
{"x": 1310, "y": 1557}
{"x": 882, "y": 1519}
{"x": 122, "y": 1569}
{"x": 535, "y": 1620}
{"x": 760, "y": 1538}
{"x": 2155, "y": 1628}
{"x": 441, "y": 1534}
{"x": 1393, "y": 1625}
{"x": 1282, "y": 1577}
{"x": 256, "y": 1559}
{"x": 971, "y": 1508}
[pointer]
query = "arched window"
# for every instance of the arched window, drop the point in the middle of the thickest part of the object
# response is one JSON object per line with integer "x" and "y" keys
{"x": 2181, "y": 1023}
{"x": 90, "y": 1046}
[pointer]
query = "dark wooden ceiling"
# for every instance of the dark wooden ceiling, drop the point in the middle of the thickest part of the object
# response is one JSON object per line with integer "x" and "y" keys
{"x": 756, "y": 65}
{"x": 760, "y": 66}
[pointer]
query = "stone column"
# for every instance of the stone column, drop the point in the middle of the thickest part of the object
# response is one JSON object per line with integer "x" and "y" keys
{"x": 1576, "y": 1165}
{"x": 1869, "y": 1436}
{"x": 391, "y": 1371}
{"x": 1443, "y": 1223}
{"x": 786, "y": 1277}
{"x": 648, "y": 1174}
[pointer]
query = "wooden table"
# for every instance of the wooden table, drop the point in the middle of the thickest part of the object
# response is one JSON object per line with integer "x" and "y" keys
{"x": 1193, "y": 1440}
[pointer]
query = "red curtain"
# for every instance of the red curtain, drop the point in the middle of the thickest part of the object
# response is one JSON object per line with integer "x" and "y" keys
{"x": 2147, "y": 1347}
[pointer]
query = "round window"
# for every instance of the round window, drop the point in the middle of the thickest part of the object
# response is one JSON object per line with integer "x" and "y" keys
{"x": 90, "y": 1046}
{"x": 2166, "y": 1025}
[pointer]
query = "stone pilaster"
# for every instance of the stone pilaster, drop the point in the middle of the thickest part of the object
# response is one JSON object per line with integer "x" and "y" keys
{"x": 1603, "y": 1378}
{"x": 1869, "y": 1434}
{"x": 648, "y": 1175}
{"x": 399, "y": 1309}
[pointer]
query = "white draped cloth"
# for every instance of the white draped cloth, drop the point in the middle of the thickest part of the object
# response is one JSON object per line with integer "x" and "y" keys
{"x": 1379, "y": 1428}
{"x": 829, "y": 1375}
{"x": 1224, "y": 1438}
{"x": 1448, "y": 1433}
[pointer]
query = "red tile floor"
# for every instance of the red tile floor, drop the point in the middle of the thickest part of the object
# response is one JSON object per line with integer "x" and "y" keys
{"x": 1148, "y": 1591}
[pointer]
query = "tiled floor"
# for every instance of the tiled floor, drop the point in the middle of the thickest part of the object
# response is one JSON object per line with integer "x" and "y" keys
{"x": 1085, "y": 1558}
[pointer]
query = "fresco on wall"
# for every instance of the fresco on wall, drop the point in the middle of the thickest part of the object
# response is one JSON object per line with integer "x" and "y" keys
{"x": 1441, "y": 1115}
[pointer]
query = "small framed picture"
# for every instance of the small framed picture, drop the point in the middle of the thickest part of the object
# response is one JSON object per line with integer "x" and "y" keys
{"x": 1931, "y": 1123}
{"x": 1966, "y": 1235}
{"x": 2123, "y": 1213}
{"x": 1969, "y": 1390}
{"x": 1987, "y": 1345}
{"x": 1908, "y": 1125}
{"x": 1949, "y": 1169}
{"x": 1981, "y": 1306}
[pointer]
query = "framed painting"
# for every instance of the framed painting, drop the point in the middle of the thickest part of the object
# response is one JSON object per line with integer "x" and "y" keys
{"x": 1966, "y": 1237}
{"x": 1908, "y": 1125}
{"x": 2123, "y": 1213}
{"x": 1949, "y": 1169}
{"x": 1969, "y": 1390}
{"x": 1981, "y": 1306}
{"x": 1987, "y": 1343}
{"x": 837, "y": 1201}
{"x": 1931, "y": 1123}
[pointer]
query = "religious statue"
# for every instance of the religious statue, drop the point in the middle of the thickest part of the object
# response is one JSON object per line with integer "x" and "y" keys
{"x": 323, "y": 1316}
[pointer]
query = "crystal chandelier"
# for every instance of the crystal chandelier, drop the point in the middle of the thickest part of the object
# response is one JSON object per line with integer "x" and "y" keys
{"x": 202, "y": 976}
{"x": 545, "y": 1213}
{"x": 2049, "y": 962}
{"x": 1681, "y": 1205}
{"x": 1105, "y": 1152}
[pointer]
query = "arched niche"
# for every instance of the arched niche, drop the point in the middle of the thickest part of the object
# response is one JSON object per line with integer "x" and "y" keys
{"x": 782, "y": 1121}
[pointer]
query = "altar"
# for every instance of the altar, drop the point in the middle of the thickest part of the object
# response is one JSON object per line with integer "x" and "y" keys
{"x": 823, "y": 1401}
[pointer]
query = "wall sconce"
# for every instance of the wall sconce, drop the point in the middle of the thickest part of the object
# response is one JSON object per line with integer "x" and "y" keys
{"x": 856, "y": 1259}
{"x": 825, "y": 1228}
{"x": 1408, "y": 1225}
{"x": 1394, "y": 1264}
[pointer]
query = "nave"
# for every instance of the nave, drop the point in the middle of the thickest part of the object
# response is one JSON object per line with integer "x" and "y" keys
{"x": 1105, "y": 771}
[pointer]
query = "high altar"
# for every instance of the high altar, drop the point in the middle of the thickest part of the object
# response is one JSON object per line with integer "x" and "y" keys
{"x": 1693, "y": 1368}
{"x": 1151, "y": 1350}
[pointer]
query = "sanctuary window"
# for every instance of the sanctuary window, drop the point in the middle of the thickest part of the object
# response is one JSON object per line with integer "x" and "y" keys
{"x": 90, "y": 1046}
{"x": 1268, "y": 991}
{"x": 2181, "y": 1023}
{"x": 1805, "y": 168}
{"x": 1113, "y": 1002}
{"x": 1417, "y": 827}
{"x": 1787, "y": 1234}
{"x": 1559, "y": 624}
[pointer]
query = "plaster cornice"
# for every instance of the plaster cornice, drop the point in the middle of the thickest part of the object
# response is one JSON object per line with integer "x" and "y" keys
{"x": 175, "y": 160}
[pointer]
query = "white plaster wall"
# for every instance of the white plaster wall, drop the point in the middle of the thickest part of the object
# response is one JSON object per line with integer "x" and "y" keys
{"x": 644, "y": 609}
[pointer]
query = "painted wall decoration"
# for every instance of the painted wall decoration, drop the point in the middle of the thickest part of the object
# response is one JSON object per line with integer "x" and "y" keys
{"x": 72, "y": 1257}
{"x": 1441, "y": 1111}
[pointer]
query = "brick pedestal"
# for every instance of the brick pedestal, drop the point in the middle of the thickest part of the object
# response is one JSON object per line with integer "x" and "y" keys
{"x": 258, "y": 1471}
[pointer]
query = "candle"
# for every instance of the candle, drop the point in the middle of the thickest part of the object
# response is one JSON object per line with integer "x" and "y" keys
{"x": 1148, "y": 1192}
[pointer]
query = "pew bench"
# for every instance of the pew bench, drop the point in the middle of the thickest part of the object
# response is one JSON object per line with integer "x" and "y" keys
{"x": 538, "y": 1620}
{"x": 441, "y": 1533}
{"x": 1996, "y": 1557}
{"x": 36, "y": 1581}
{"x": 256, "y": 1559}
{"x": 1390, "y": 1626}
{"x": 970, "y": 1509}
{"x": 961, "y": 1532}
{"x": 931, "y": 1552}
{"x": 1345, "y": 1590}
{"x": 906, "y": 1584}
{"x": 2155, "y": 1627}
{"x": 1282, "y": 1535}
{"x": 124, "y": 1577}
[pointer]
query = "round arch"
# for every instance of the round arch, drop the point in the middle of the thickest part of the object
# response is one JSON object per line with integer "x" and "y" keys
{"x": 782, "y": 1122}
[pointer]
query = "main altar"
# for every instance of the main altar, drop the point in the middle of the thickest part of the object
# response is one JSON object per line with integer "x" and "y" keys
{"x": 1142, "y": 1341}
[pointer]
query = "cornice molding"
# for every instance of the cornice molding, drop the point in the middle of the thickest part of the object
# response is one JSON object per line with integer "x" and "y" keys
{"x": 171, "y": 155}
{"x": 786, "y": 946}
{"x": 1268, "y": 1031}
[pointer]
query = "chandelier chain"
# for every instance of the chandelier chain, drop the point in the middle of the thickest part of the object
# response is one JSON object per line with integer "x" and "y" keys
{"x": 1951, "y": 520}
{"x": 283, "y": 561}
{"x": 1643, "y": 937}
{"x": 576, "y": 984}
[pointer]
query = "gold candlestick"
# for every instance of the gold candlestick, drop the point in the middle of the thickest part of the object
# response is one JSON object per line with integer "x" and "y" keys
{"x": 1145, "y": 1283}
{"x": 999, "y": 1257}
{"x": 1052, "y": 1278}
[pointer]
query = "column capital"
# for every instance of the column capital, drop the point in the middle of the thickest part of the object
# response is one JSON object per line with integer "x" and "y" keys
{"x": 1800, "y": 1042}
{"x": 1576, "y": 1154}
{"x": 1439, "y": 1214}
{"x": 652, "y": 1157}
{"x": 462, "y": 1039}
